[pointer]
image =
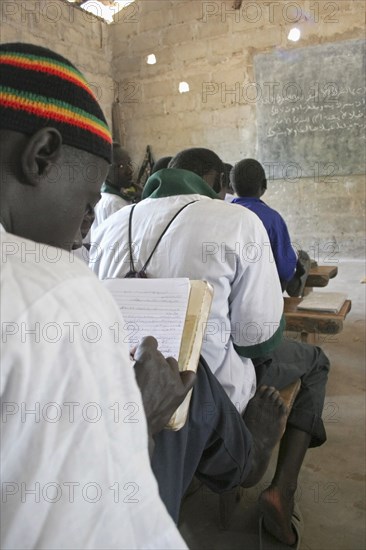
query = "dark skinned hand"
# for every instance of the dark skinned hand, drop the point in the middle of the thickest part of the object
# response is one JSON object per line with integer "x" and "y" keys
{"x": 162, "y": 386}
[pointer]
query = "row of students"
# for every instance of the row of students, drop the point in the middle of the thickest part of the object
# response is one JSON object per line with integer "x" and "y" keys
{"x": 227, "y": 245}
{"x": 247, "y": 180}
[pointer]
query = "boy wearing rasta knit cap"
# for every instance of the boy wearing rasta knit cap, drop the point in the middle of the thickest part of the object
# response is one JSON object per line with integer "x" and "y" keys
{"x": 58, "y": 143}
{"x": 65, "y": 466}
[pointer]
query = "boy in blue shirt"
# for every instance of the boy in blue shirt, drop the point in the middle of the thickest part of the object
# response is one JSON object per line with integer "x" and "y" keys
{"x": 249, "y": 182}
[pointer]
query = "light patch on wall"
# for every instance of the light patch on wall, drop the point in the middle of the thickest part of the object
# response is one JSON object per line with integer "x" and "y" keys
{"x": 106, "y": 12}
{"x": 294, "y": 34}
{"x": 151, "y": 59}
{"x": 183, "y": 87}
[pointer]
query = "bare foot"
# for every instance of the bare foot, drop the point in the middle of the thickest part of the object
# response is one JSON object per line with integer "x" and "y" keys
{"x": 277, "y": 510}
{"x": 265, "y": 418}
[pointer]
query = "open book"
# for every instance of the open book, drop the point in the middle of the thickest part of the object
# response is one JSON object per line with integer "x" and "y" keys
{"x": 323, "y": 301}
{"x": 174, "y": 311}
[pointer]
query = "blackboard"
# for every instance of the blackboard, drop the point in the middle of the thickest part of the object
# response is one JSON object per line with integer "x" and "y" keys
{"x": 311, "y": 110}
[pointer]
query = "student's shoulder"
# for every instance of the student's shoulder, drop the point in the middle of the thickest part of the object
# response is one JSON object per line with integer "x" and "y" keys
{"x": 235, "y": 213}
{"x": 34, "y": 258}
{"x": 276, "y": 220}
{"x": 110, "y": 199}
{"x": 31, "y": 270}
{"x": 271, "y": 211}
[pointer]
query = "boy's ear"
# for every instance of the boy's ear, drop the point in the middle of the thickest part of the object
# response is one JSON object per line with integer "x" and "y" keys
{"x": 42, "y": 150}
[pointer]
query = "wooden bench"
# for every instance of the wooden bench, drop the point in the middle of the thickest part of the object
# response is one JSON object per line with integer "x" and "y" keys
{"x": 311, "y": 323}
{"x": 319, "y": 276}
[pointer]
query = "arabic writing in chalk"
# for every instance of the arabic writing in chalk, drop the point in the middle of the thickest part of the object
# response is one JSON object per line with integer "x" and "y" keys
{"x": 338, "y": 109}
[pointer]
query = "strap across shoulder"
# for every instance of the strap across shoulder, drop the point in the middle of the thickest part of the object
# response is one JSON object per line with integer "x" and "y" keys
{"x": 142, "y": 274}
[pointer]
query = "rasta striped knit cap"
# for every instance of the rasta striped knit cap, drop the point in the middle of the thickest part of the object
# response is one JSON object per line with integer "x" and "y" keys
{"x": 39, "y": 88}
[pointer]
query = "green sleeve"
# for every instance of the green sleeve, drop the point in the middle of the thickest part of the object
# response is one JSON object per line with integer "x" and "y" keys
{"x": 259, "y": 350}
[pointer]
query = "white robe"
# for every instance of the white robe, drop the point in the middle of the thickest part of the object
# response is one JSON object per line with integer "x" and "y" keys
{"x": 212, "y": 240}
{"x": 106, "y": 206}
{"x": 74, "y": 460}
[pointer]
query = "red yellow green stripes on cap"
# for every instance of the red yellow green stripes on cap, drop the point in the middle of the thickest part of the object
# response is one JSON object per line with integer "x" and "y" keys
{"x": 39, "y": 87}
{"x": 45, "y": 65}
{"x": 47, "y": 107}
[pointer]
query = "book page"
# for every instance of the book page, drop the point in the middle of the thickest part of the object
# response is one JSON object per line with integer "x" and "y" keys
{"x": 152, "y": 307}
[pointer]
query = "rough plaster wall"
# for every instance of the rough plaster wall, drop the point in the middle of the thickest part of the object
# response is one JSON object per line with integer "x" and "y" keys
{"x": 211, "y": 47}
{"x": 71, "y": 32}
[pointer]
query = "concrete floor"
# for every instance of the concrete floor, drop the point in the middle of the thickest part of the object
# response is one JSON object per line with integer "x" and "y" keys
{"x": 331, "y": 492}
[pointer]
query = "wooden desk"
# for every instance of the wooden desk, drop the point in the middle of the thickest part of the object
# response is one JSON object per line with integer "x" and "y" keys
{"x": 309, "y": 323}
{"x": 319, "y": 276}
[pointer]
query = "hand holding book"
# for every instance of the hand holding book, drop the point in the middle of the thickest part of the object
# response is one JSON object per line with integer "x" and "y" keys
{"x": 162, "y": 386}
{"x": 175, "y": 312}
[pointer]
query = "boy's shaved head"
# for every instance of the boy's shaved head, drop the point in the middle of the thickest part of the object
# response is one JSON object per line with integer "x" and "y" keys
{"x": 248, "y": 178}
{"x": 198, "y": 160}
{"x": 202, "y": 162}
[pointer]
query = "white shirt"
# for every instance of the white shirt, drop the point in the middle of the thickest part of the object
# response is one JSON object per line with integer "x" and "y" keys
{"x": 75, "y": 471}
{"x": 229, "y": 197}
{"x": 106, "y": 206}
{"x": 209, "y": 240}
{"x": 81, "y": 253}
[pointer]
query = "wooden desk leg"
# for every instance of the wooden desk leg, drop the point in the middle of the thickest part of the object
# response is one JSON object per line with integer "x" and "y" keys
{"x": 307, "y": 290}
{"x": 308, "y": 338}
